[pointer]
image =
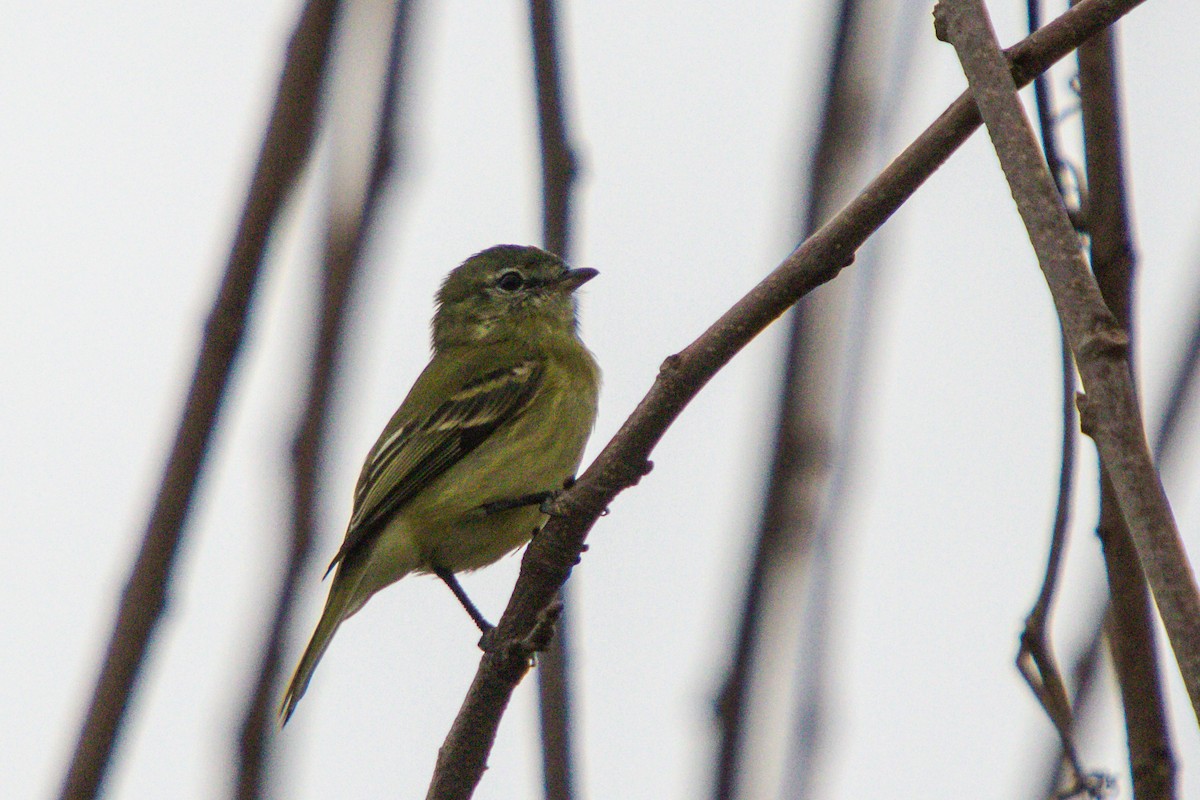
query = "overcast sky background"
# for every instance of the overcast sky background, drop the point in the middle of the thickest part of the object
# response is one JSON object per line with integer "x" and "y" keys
{"x": 127, "y": 136}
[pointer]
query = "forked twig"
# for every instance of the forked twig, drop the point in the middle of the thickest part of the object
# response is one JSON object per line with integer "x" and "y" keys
{"x": 1035, "y": 657}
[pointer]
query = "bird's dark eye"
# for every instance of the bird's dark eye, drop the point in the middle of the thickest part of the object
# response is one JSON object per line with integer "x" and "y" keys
{"x": 510, "y": 281}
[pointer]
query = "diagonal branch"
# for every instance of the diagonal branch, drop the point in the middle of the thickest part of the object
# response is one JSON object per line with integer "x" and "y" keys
{"x": 550, "y": 557}
{"x": 284, "y": 151}
{"x": 1109, "y": 412}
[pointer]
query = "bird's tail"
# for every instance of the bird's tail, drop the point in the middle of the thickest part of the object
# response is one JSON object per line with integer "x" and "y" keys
{"x": 338, "y": 607}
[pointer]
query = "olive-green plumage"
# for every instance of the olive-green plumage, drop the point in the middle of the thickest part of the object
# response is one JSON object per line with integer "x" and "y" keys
{"x": 502, "y": 411}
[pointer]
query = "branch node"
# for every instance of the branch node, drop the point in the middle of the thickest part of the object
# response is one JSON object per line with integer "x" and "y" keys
{"x": 1087, "y": 414}
{"x": 543, "y": 631}
{"x": 1106, "y": 341}
{"x": 941, "y": 23}
{"x": 524, "y": 651}
{"x": 621, "y": 475}
{"x": 1096, "y": 785}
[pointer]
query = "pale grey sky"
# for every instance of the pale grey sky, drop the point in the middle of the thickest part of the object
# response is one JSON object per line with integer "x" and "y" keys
{"x": 127, "y": 135}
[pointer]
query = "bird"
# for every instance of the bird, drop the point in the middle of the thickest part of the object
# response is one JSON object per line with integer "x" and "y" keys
{"x": 494, "y": 425}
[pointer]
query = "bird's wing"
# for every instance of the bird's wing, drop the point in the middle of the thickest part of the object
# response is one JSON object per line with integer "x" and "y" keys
{"x": 408, "y": 459}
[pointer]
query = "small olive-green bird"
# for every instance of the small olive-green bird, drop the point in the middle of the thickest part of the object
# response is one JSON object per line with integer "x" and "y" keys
{"x": 494, "y": 425}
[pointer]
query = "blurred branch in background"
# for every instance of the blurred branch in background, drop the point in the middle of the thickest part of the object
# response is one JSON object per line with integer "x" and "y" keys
{"x": 1180, "y": 397}
{"x": 1130, "y": 627}
{"x": 558, "y": 180}
{"x": 768, "y": 739}
{"x": 284, "y": 151}
{"x": 1110, "y": 413}
{"x": 551, "y": 555}
{"x": 559, "y": 163}
{"x": 372, "y": 54}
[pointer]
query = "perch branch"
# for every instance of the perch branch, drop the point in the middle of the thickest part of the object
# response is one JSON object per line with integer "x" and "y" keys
{"x": 550, "y": 557}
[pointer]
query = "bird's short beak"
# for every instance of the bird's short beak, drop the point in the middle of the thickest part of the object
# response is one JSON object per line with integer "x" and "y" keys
{"x": 572, "y": 279}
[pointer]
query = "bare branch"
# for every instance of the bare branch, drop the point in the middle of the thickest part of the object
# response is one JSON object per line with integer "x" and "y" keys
{"x": 284, "y": 150}
{"x": 1109, "y": 412}
{"x": 550, "y": 557}
{"x": 559, "y": 164}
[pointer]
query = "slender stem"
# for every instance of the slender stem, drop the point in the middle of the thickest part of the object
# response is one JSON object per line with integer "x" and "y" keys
{"x": 284, "y": 151}
{"x": 1045, "y": 107}
{"x": 552, "y": 554}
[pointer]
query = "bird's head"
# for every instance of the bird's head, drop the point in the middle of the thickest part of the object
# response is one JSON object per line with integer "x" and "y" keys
{"x": 507, "y": 291}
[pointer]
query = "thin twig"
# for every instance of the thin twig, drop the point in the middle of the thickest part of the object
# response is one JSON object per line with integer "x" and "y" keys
{"x": 558, "y": 180}
{"x": 1131, "y": 636}
{"x": 345, "y": 235}
{"x": 549, "y": 559}
{"x": 1045, "y": 112}
{"x": 283, "y": 153}
{"x": 1084, "y": 673}
{"x": 1110, "y": 414}
{"x": 1035, "y": 657}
